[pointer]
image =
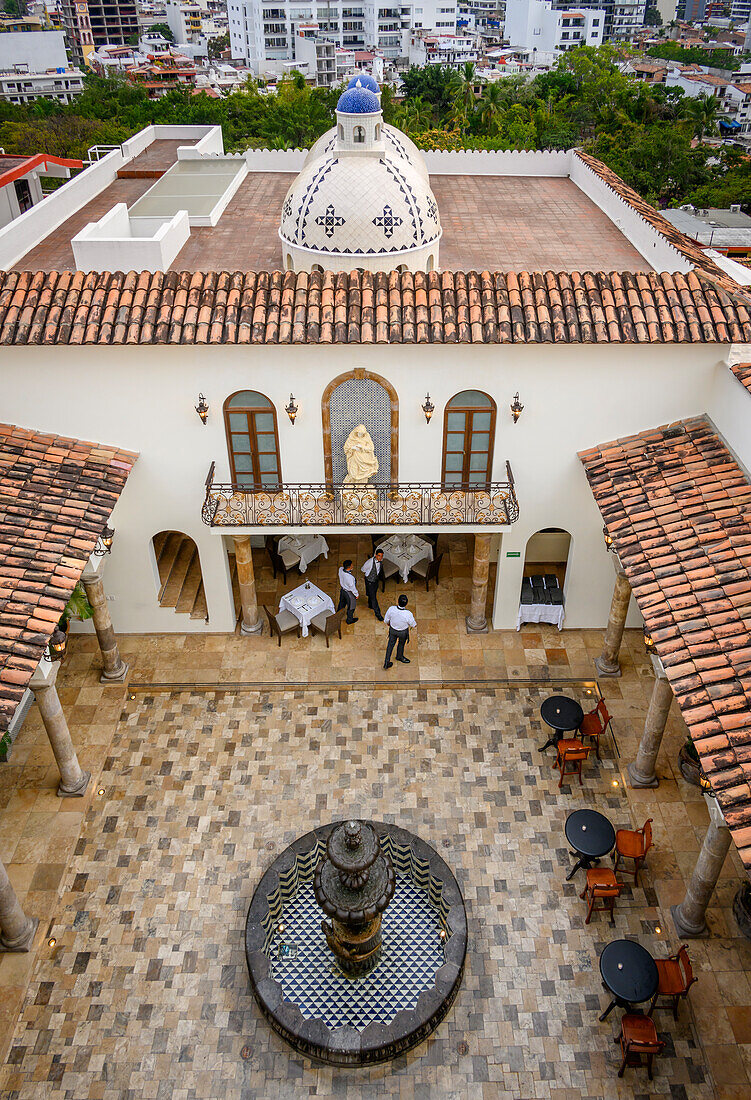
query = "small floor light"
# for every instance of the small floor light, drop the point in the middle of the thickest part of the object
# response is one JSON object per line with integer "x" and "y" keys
{"x": 291, "y": 409}
{"x": 649, "y": 644}
{"x": 58, "y": 643}
{"x": 608, "y": 538}
{"x": 202, "y": 408}
{"x": 428, "y": 408}
{"x": 51, "y": 941}
{"x": 516, "y": 407}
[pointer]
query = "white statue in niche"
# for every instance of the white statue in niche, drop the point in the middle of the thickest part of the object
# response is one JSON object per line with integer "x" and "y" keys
{"x": 362, "y": 463}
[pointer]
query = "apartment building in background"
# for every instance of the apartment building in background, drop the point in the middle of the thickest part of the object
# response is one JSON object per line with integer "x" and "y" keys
{"x": 545, "y": 32}
{"x": 92, "y": 23}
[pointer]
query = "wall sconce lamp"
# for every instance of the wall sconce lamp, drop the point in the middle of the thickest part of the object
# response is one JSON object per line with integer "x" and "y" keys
{"x": 202, "y": 408}
{"x": 608, "y": 538}
{"x": 704, "y": 784}
{"x": 649, "y": 644}
{"x": 58, "y": 643}
{"x": 428, "y": 408}
{"x": 104, "y": 543}
{"x": 291, "y": 409}
{"x": 516, "y": 407}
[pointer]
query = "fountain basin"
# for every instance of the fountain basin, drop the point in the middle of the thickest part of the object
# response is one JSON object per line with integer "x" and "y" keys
{"x": 310, "y": 1001}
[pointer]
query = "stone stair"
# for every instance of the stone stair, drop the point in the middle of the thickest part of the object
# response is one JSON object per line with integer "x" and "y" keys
{"x": 181, "y": 583}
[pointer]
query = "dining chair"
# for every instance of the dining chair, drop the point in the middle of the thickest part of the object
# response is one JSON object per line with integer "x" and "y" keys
{"x": 282, "y": 623}
{"x": 281, "y": 563}
{"x": 602, "y": 885}
{"x": 676, "y": 977}
{"x": 428, "y": 570}
{"x": 638, "y": 1040}
{"x": 594, "y": 724}
{"x": 570, "y": 751}
{"x": 388, "y": 570}
{"x": 633, "y": 844}
{"x": 328, "y": 623}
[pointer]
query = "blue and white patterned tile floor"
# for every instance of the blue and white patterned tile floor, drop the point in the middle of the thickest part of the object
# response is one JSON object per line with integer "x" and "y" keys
{"x": 412, "y": 953}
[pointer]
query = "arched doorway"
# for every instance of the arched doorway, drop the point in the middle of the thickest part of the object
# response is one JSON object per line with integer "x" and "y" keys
{"x": 468, "y": 439}
{"x": 360, "y": 397}
{"x": 547, "y": 554}
{"x": 180, "y": 579}
{"x": 252, "y": 440}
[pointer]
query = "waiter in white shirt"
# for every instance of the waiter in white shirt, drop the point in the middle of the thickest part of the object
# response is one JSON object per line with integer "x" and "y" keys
{"x": 347, "y": 590}
{"x": 372, "y": 570}
{"x": 399, "y": 620}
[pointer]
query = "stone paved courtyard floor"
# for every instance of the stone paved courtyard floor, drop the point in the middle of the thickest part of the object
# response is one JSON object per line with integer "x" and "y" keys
{"x": 145, "y": 887}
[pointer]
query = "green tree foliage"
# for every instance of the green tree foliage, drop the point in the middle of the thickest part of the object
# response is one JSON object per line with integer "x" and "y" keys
{"x": 163, "y": 29}
{"x": 217, "y": 46}
{"x": 695, "y": 55}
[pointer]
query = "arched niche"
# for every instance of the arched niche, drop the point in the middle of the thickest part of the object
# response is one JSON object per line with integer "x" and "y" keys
{"x": 369, "y": 400}
{"x": 548, "y": 551}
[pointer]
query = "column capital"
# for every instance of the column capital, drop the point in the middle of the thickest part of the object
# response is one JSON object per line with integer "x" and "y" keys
{"x": 44, "y": 675}
{"x": 657, "y": 667}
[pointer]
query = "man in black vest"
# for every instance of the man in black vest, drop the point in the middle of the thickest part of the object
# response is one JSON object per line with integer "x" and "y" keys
{"x": 372, "y": 570}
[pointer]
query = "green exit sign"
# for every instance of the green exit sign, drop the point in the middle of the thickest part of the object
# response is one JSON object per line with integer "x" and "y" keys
{"x": 513, "y": 553}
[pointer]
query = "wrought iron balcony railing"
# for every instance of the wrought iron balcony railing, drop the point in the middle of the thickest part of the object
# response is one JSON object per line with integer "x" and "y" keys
{"x": 387, "y": 505}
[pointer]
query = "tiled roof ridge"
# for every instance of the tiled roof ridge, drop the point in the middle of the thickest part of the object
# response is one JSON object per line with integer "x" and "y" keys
{"x": 742, "y": 372}
{"x": 363, "y": 307}
{"x": 678, "y": 507}
{"x": 56, "y": 495}
{"x": 680, "y": 241}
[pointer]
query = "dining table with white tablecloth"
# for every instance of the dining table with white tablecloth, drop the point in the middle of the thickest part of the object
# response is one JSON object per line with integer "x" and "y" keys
{"x": 305, "y": 602}
{"x": 541, "y": 613}
{"x": 405, "y": 551}
{"x": 309, "y": 547}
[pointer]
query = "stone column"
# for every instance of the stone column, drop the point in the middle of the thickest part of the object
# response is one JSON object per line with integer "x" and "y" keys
{"x": 73, "y": 779}
{"x": 115, "y": 669}
{"x": 16, "y": 929}
{"x": 607, "y": 663}
{"x": 690, "y": 916}
{"x": 642, "y": 771}
{"x": 476, "y": 621}
{"x": 251, "y": 622}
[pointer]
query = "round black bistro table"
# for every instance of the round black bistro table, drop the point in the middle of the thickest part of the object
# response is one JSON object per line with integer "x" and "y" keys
{"x": 561, "y": 714}
{"x": 591, "y": 836}
{"x": 628, "y": 972}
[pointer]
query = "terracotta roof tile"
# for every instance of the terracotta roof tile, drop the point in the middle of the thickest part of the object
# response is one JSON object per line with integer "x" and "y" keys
{"x": 361, "y": 307}
{"x": 679, "y": 510}
{"x": 56, "y": 495}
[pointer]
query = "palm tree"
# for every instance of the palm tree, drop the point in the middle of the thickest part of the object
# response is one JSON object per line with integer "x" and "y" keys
{"x": 702, "y": 111}
{"x": 491, "y": 106}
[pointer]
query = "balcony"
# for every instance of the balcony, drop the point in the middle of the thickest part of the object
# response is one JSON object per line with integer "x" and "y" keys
{"x": 390, "y": 505}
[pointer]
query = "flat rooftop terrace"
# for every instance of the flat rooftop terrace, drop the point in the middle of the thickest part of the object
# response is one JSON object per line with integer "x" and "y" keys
{"x": 495, "y": 223}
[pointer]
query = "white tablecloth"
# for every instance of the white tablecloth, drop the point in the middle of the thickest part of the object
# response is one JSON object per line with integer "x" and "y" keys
{"x": 541, "y": 613}
{"x": 406, "y": 552}
{"x": 305, "y": 602}
{"x": 309, "y": 547}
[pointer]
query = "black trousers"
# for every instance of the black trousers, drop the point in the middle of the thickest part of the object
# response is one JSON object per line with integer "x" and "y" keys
{"x": 372, "y": 591}
{"x": 396, "y": 638}
{"x": 346, "y": 599}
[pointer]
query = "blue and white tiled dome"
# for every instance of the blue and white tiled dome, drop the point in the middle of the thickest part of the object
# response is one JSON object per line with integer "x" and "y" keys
{"x": 358, "y": 101}
{"x": 364, "y": 80}
{"x": 352, "y": 207}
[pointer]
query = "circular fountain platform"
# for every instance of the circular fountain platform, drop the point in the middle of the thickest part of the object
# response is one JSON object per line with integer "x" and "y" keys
{"x": 298, "y": 984}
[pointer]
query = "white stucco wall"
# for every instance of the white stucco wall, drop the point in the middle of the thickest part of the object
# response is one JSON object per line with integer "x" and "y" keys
{"x": 142, "y": 399}
{"x": 122, "y": 243}
{"x": 730, "y": 406}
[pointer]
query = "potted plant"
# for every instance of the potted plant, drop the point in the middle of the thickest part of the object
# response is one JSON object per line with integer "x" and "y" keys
{"x": 689, "y": 763}
{"x": 77, "y": 607}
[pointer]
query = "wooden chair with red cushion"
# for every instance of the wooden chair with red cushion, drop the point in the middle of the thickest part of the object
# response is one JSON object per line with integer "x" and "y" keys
{"x": 676, "y": 977}
{"x": 638, "y": 1040}
{"x": 604, "y": 886}
{"x": 594, "y": 724}
{"x": 633, "y": 844}
{"x": 571, "y": 752}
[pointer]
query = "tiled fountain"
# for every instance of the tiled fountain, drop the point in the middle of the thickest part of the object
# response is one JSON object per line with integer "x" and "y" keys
{"x": 381, "y": 973}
